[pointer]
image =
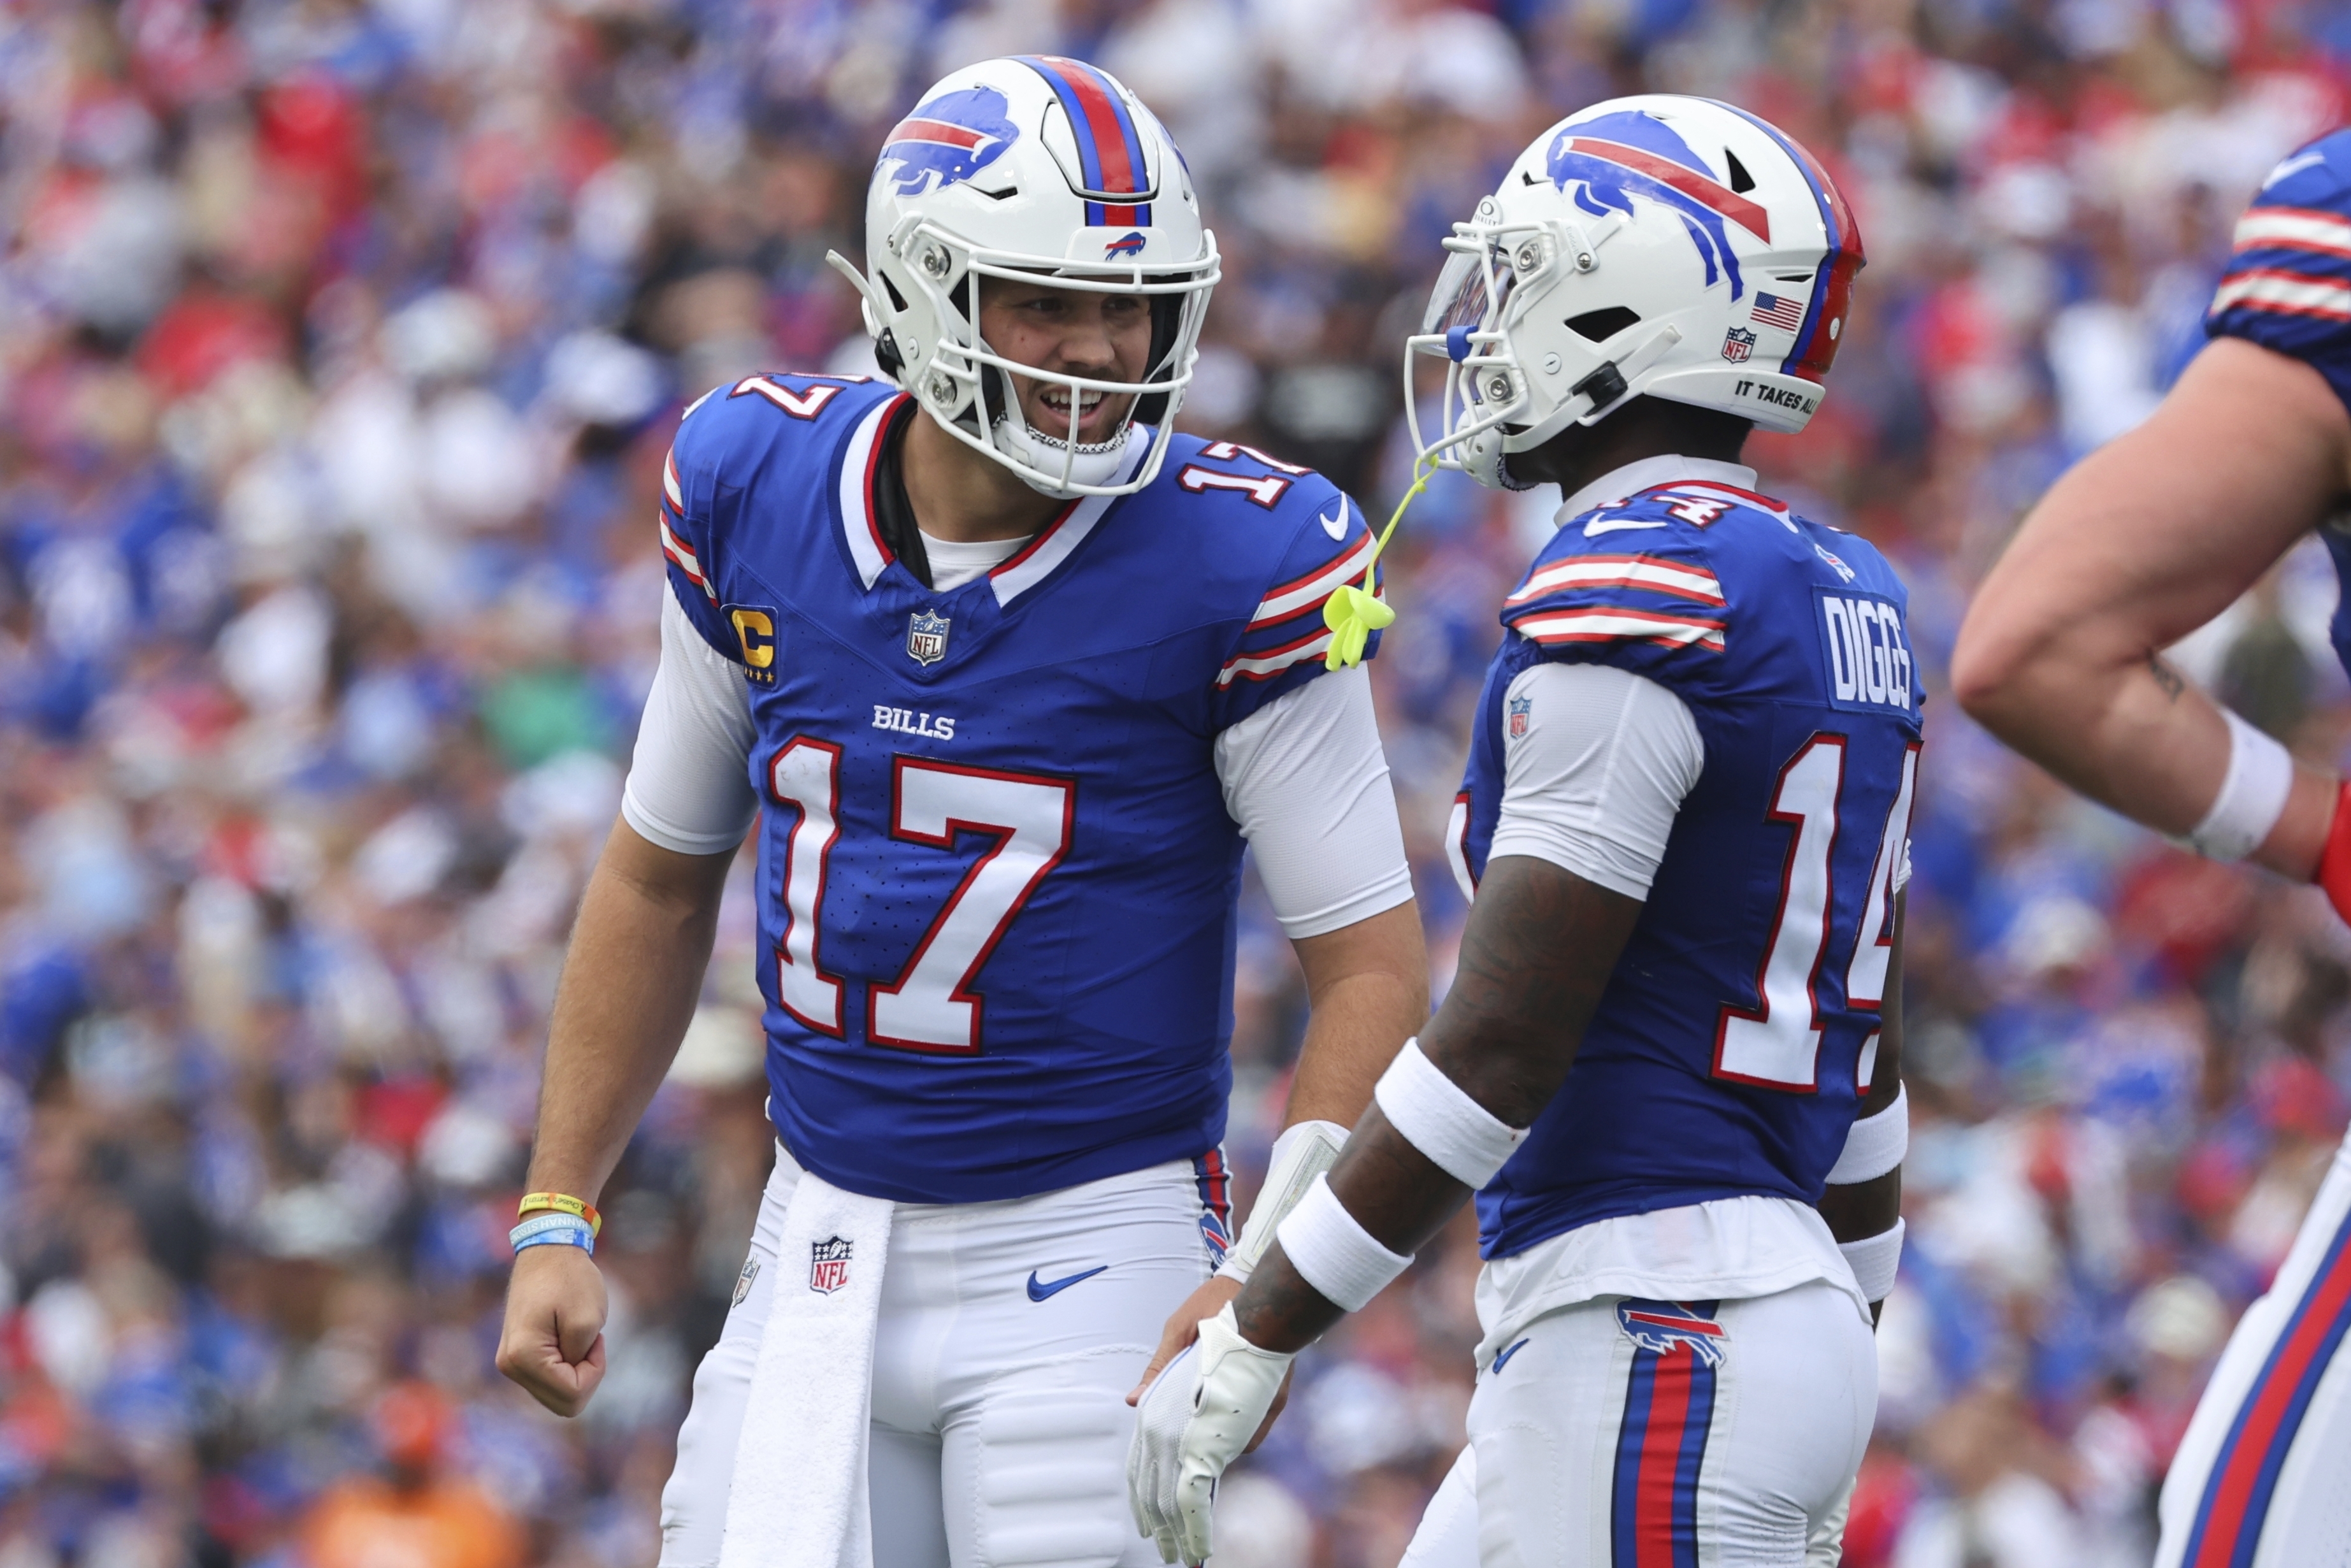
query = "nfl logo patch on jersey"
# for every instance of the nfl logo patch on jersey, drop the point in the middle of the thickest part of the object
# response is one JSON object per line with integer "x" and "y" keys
{"x": 926, "y": 637}
{"x": 828, "y": 1264}
{"x": 1519, "y": 709}
{"x": 1736, "y": 344}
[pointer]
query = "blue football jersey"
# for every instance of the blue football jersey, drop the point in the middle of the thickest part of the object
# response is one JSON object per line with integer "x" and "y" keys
{"x": 2288, "y": 287}
{"x": 996, "y": 878}
{"x": 1734, "y": 1041}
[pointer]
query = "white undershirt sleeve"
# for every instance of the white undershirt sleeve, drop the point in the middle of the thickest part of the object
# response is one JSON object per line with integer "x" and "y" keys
{"x": 1594, "y": 783}
{"x": 1306, "y": 779}
{"x": 689, "y": 785}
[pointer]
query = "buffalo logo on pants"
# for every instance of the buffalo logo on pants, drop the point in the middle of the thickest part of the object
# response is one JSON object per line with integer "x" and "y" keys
{"x": 828, "y": 1264}
{"x": 1658, "y": 1326}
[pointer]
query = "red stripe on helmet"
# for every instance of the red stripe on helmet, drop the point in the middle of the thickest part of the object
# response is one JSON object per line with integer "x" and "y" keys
{"x": 1748, "y": 215}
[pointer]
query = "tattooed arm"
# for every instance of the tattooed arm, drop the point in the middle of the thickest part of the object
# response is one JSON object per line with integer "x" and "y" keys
{"x": 2143, "y": 541}
{"x": 1540, "y": 947}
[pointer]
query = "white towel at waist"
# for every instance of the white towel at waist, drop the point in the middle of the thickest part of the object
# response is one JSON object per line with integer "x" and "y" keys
{"x": 798, "y": 1495}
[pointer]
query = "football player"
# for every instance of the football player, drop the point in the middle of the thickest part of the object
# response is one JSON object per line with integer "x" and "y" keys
{"x": 2142, "y": 542}
{"x": 1670, "y": 1063}
{"x": 1011, "y": 671}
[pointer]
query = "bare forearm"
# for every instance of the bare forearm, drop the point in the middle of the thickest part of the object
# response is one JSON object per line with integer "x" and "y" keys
{"x": 1369, "y": 994}
{"x": 1535, "y": 960}
{"x": 2144, "y": 542}
{"x": 630, "y": 984}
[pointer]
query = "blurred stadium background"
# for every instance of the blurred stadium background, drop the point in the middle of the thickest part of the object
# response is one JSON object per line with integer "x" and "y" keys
{"x": 340, "y": 343}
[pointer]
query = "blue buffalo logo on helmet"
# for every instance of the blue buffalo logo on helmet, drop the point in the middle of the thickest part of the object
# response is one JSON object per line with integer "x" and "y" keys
{"x": 1659, "y": 1326}
{"x": 1124, "y": 245}
{"x": 1617, "y": 157}
{"x": 948, "y": 139}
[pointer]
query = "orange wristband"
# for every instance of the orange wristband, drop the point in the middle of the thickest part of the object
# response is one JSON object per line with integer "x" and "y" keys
{"x": 561, "y": 1203}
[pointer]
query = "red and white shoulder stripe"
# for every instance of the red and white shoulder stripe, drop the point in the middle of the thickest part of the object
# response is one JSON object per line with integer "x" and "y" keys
{"x": 1656, "y": 574}
{"x": 2283, "y": 293}
{"x": 2294, "y": 229}
{"x": 1301, "y": 594}
{"x": 1613, "y": 623}
{"x": 684, "y": 560}
{"x": 1267, "y": 663}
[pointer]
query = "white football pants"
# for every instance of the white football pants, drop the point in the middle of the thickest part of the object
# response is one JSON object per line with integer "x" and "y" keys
{"x": 2263, "y": 1478}
{"x": 1623, "y": 1433}
{"x": 1010, "y": 1334}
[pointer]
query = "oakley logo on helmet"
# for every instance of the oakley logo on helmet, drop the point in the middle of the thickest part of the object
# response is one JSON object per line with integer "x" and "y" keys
{"x": 1615, "y": 157}
{"x": 948, "y": 139}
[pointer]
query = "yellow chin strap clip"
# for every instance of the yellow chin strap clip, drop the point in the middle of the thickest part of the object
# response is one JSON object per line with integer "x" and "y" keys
{"x": 1354, "y": 613}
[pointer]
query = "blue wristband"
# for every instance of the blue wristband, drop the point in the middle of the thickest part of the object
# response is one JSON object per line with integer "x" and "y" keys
{"x": 553, "y": 1230}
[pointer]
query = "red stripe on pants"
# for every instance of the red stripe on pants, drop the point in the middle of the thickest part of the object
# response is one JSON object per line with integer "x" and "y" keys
{"x": 2324, "y": 1305}
{"x": 1661, "y": 1459}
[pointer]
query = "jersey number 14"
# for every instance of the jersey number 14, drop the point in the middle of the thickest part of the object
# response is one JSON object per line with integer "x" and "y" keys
{"x": 930, "y": 1006}
{"x": 1776, "y": 1044}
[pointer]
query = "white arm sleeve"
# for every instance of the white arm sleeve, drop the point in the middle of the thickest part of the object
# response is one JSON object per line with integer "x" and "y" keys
{"x": 689, "y": 785}
{"x": 1594, "y": 783}
{"x": 1305, "y": 778}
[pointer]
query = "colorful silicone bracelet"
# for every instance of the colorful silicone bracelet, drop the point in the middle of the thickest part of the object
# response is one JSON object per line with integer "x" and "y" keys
{"x": 561, "y": 1203}
{"x": 553, "y": 1230}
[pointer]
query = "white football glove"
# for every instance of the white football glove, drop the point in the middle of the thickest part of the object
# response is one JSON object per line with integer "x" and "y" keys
{"x": 1195, "y": 1419}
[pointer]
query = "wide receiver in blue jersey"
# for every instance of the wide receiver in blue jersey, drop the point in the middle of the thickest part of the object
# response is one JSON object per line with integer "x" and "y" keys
{"x": 1670, "y": 1063}
{"x": 2144, "y": 540}
{"x": 1011, "y": 671}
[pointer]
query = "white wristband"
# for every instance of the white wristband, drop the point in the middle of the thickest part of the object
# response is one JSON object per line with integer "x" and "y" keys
{"x": 1875, "y": 1260}
{"x": 2252, "y": 797}
{"x": 1333, "y": 1252}
{"x": 1436, "y": 1117}
{"x": 1875, "y": 1144}
{"x": 1300, "y": 1154}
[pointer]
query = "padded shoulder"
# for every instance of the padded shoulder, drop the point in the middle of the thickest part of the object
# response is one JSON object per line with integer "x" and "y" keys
{"x": 2288, "y": 285}
{"x": 1286, "y": 539}
{"x": 728, "y": 436}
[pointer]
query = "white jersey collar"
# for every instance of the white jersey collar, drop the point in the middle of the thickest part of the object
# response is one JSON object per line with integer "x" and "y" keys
{"x": 1619, "y": 484}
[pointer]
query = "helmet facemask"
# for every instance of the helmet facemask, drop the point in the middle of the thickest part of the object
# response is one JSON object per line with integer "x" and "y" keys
{"x": 926, "y": 317}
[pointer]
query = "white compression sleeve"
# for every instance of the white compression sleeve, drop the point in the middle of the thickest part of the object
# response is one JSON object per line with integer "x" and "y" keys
{"x": 1306, "y": 779}
{"x": 1594, "y": 783}
{"x": 689, "y": 785}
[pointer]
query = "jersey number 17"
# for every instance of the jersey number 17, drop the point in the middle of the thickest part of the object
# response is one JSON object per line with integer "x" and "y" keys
{"x": 930, "y": 1006}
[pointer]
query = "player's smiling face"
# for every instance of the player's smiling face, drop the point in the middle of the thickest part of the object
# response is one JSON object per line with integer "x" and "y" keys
{"x": 1078, "y": 332}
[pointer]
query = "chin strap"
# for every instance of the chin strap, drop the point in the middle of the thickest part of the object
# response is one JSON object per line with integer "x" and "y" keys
{"x": 1354, "y": 613}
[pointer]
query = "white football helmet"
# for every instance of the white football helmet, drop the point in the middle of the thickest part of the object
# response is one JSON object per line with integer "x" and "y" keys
{"x": 1032, "y": 168}
{"x": 1664, "y": 245}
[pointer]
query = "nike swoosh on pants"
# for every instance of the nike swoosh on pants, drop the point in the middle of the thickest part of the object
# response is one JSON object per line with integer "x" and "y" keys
{"x": 1038, "y": 1291}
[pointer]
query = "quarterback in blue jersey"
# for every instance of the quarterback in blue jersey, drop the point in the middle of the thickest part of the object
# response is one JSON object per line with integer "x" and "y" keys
{"x": 2144, "y": 540}
{"x": 1010, "y": 672}
{"x": 1669, "y": 1064}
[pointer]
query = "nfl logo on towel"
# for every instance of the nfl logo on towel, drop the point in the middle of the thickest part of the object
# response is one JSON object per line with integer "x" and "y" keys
{"x": 1736, "y": 344}
{"x": 828, "y": 1265}
{"x": 926, "y": 637}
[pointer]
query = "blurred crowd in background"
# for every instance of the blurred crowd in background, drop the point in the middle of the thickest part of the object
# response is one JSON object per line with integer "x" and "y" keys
{"x": 339, "y": 344}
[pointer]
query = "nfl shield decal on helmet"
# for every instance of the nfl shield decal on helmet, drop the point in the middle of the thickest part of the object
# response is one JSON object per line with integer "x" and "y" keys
{"x": 828, "y": 1264}
{"x": 926, "y": 637}
{"x": 1736, "y": 344}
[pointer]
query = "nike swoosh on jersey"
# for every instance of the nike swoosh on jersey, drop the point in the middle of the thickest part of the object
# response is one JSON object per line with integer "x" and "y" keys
{"x": 2293, "y": 165}
{"x": 1617, "y": 525}
{"x": 1502, "y": 1355}
{"x": 1335, "y": 523}
{"x": 1038, "y": 1290}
